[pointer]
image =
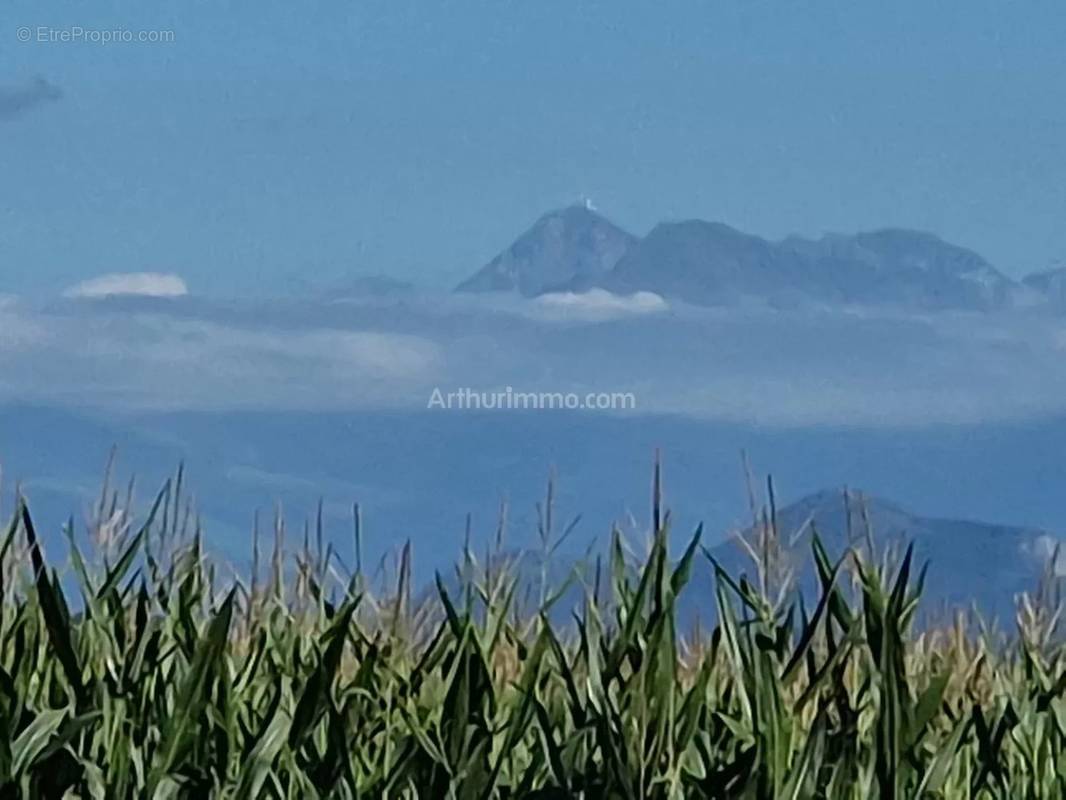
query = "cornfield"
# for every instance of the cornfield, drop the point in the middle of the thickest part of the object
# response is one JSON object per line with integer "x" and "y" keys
{"x": 145, "y": 670}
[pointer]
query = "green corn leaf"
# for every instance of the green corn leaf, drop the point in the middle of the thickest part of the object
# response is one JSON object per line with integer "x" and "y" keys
{"x": 185, "y": 725}
{"x": 53, "y": 609}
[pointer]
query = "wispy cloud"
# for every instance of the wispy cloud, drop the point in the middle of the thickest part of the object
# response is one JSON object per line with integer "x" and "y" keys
{"x": 126, "y": 284}
{"x": 19, "y": 99}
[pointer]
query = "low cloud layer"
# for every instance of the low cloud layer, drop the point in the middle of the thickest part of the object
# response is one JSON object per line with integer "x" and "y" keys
{"x": 141, "y": 359}
{"x": 779, "y": 368}
{"x": 21, "y": 98}
{"x": 129, "y": 284}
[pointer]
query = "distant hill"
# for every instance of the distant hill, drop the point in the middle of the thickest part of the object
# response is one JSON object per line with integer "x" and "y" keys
{"x": 970, "y": 563}
{"x": 572, "y": 246}
{"x": 710, "y": 263}
{"x": 241, "y": 462}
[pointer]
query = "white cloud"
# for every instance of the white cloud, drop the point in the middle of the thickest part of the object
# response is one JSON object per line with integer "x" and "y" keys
{"x": 598, "y": 304}
{"x": 140, "y": 284}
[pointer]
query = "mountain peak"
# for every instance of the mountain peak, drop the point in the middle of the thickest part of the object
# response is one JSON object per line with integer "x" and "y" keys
{"x": 570, "y": 246}
{"x": 580, "y": 211}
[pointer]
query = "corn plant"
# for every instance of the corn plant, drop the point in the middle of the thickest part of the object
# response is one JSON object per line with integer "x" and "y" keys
{"x": 139, "y": 669}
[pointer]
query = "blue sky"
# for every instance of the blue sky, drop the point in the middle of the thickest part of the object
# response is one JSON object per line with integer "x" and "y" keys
{"x": 276, "y": 145}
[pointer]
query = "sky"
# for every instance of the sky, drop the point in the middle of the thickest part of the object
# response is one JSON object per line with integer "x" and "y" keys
{"x": 270, "y": 147}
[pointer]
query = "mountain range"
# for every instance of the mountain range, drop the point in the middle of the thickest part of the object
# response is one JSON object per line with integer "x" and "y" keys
{"x": 970, "y": 565}
{"x": 576, "y": 249}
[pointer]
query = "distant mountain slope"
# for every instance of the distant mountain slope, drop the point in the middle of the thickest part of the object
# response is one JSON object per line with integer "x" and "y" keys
{"x": 1050, "y": 285}
{"x": 711, "y": 263}
{"x": 906, "y": 267}
{"x": 698, "y": 261}
{"x": 970, "y": 563}
{"x": 570, "y": 246}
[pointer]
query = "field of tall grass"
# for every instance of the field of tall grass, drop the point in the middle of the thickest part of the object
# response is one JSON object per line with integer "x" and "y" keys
{"x": 140, "y": 667}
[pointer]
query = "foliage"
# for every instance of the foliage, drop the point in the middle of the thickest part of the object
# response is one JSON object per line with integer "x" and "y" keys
{"x": 162, "y": 680}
